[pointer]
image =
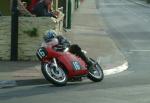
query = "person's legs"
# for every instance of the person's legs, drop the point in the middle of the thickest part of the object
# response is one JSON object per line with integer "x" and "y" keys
{"x": 75, "y": 49}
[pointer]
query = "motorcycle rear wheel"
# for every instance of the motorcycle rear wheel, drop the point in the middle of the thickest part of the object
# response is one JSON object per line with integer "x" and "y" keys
{"x": 96, "y": 73}
{"x": 57, "y": 77}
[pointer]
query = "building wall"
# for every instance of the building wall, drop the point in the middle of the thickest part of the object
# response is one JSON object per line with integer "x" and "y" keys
{"x": 27, "y": 45}
{"x": 5, "y": 28}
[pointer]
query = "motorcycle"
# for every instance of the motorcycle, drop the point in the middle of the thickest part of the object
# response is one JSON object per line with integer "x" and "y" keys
{"x": 60, "y": 66}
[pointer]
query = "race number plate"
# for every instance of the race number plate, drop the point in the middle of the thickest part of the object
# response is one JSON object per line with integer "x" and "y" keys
{"x": 41, "y": 53}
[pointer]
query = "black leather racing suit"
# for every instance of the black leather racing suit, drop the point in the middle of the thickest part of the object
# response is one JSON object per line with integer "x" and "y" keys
{"x": 74, "y": 49}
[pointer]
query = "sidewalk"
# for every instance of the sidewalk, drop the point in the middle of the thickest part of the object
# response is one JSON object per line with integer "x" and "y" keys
{"x": 88, "y": 32}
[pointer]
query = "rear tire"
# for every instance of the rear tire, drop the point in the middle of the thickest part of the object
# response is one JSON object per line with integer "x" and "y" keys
{"x": 96, "y": 74}
{"x": 58, "y": 78}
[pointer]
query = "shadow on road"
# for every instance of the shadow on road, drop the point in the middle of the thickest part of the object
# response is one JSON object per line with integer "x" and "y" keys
{"x": 27, "y": 91}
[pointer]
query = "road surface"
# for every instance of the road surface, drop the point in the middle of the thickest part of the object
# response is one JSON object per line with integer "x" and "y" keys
{"x": 128, "y": 25}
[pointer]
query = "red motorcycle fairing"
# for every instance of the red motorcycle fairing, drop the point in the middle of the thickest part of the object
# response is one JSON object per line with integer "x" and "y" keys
{"x": 73, "y": 64}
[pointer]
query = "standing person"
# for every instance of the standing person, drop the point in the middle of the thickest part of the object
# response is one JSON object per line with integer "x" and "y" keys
{"x": 42, "y": 9}
{"x": 32, "y": 4}
{"x": 22, "y": 9}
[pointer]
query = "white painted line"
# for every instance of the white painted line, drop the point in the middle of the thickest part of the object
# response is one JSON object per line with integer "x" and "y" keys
{"x": 116, "y": 70}
{"x": 140, "y": 50}
{"x": 122, "y": 4}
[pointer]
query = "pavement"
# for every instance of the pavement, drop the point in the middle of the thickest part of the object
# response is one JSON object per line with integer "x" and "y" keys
{"x": 87, "y": 31}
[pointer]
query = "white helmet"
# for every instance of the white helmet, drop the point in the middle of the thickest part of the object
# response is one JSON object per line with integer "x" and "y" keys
{"x": 49, "y": 35}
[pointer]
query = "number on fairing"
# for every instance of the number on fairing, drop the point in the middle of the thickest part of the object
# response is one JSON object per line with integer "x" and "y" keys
{"x": 76, "y": 65}
{"x": 41, "y": 53}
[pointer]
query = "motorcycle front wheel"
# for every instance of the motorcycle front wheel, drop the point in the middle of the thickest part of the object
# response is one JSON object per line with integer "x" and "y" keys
{"x": 95, "y": 73}
{"x": 55, "y": 75}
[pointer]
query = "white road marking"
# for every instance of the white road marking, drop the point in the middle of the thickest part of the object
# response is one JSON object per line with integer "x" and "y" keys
{"x": 140, "y": 50}
{"x": 116, "y": 70}
{"x": 122, "y": 4}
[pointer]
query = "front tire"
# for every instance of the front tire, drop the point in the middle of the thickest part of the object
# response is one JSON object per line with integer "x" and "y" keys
{"x": 95, "y": 73}
{"x": 56, "y": 76}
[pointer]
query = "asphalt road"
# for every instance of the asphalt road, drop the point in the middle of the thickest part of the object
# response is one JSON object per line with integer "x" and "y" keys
{"x": 128, "y": 25}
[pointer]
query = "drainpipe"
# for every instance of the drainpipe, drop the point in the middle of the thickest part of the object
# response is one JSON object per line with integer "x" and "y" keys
{"x": 14, "y": 31}
{"x": 69, "y": 14}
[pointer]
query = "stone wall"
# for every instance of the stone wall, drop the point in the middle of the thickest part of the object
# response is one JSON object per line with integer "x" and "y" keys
{"x": 27, "y": 43}
{"x": 5, "y": 34}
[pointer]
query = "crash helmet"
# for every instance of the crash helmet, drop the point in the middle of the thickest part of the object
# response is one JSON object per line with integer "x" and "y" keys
{"x": 49, "y": 36}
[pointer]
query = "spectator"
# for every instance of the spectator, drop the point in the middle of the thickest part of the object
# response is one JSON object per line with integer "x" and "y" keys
{"x": 43, "y": 8}
{"x": 32, "y": 4}
{"x": 22, "y": 9}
